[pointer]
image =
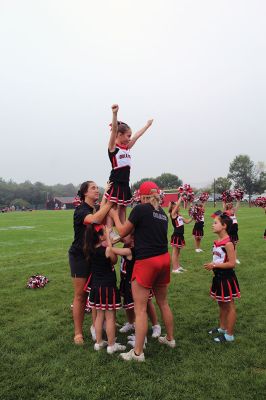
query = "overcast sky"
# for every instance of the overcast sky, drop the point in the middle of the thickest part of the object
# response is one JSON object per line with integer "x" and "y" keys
{"x": 196, "y": 66}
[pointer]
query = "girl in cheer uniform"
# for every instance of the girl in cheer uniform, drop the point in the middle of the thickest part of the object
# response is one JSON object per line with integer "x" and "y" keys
{"x": 104, "y": 295}
{"x": 120, "y": 143}
{"x": 198, "y": 231}
{"x": 231, "y": 211}
{"x": 86, "y": 213}
{"x": 177, "y": 238}
{"x": 225, "y": 286}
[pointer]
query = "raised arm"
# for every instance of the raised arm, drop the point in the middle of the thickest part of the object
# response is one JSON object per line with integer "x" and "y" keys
{"x": 237, "y": 206}
{"x": 104, "y": 200}
{"x": 99, "y": 216}
{"x": 138, "y": 134}
{"x": 111, "y": 145}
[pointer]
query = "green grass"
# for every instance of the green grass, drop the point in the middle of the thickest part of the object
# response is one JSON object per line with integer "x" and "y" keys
{"x": 39, "y": 361}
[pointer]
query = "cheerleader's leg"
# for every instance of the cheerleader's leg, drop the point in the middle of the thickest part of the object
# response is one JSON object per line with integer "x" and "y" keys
{"x": 99, "y": 326}
{"x": 110, "y": 326}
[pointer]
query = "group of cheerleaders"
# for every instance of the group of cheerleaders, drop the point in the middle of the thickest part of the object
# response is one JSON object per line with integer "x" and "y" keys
{"x": 145, "y": 261}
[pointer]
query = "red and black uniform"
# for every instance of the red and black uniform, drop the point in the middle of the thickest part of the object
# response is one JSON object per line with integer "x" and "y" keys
{"x": 234, "y": 230}
{"x": 177, "y": 238}
{"x": 126, "y": 269}
{"x": 225, "y": 285}
{"x": 152, "y": 265}
{"x": 104, "y": 294}
{"x": 79, "y": 266}
{"x": 198, "y": 231}
{"x": 120, "y": 192}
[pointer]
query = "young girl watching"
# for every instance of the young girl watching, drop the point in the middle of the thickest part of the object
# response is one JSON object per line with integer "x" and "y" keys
{"x": 225, "y": 287}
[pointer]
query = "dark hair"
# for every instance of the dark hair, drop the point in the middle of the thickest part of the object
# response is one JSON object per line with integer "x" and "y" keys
{"x": 226, "y": 220}
{"x": 91, "y": 239}
{"x": 122, "y": 127}
{"x": 83, "y": 189}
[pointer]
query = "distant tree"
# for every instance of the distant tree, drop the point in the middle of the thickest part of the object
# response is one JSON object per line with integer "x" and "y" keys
{"x": 244, "y": 174}
{"x": 260, "y": 184}
{"x": 20, "y": 203}
{"x": 221, "y": 184}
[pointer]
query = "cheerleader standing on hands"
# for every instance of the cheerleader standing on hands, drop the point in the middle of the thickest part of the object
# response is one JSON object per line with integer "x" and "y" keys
{"x": 225, "y": 286}
{"x": 177, "y": 238}
{"x": 104, "y": 295}
{"x": 120, "y": 143}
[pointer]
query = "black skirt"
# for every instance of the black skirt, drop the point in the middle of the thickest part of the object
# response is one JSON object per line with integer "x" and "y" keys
{"x": 126, "y": 292}
{"x": 198, "y": 229}
{"x": 120, "y": 194}
{"x": 225, "y": 287}
{"x": 178, "y": 241}
{"x": 234, "y": 234}
{"x": 106, "y": 298}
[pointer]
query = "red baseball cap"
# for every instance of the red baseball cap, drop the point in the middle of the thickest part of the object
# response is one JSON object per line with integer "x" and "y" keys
{"x": 146, "y": 188}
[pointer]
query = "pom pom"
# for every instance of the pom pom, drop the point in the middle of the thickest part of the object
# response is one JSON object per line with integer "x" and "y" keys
{"x": 260, "y": 202}
{"x": 238, "y": 194}
{"x": 37, "y": 281}
{"x": 227, "y": 196}
{"x": 186, "y": 193}
{"x": 196, "y": 212}
{"x": 136, "y": 197}
{"x": 204, "y": 197}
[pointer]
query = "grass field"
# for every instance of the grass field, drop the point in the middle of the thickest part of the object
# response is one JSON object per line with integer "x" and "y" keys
{"x": 39, "y": 361}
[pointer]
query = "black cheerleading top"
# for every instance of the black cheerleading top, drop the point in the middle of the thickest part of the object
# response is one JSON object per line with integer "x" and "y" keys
{"x": 126, "y": 266}
{"x": 150, "y": 235}
{"x": 79, "y": 228}
{"x": 220, "y": 257}
{"x": 121, "y": 163}
{"x": 103, "y": 272}
{"x": 178, "y": 225}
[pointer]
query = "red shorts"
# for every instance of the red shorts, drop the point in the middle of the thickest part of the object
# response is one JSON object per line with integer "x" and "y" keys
{"x": 153, "y": 271}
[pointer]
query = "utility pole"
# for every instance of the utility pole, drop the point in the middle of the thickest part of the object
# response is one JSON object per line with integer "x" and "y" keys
{"x": 214, "y": 199}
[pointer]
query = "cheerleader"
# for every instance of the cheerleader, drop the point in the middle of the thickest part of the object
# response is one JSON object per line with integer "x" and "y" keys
{"x": 225, "y": 286}
{"x": 231, "y": 211}
{"x": 177, "y": 238}
{"x": 119, "y": 147}
{"x": 104, "y": 295}
{"x": 127, "y": 254}
{"x": 198, "y": 231}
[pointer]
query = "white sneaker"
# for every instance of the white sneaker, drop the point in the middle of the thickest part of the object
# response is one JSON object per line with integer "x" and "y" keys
{"x": 115, "y": 347}
{"x": 132, "y": 343}
{"x": 99, "y": 346}
{"x": 237, "y": 261}
{"x": 197, "y": 250}
{"x": 156, "y": 331}
{"x": 182, "y": 269}
{"x": 177, "y": 271}
{"x": 127, "y": 327}
{"x": 132, "y": 356}
{"x": 164, "y": 340}
{"x": 93, "y": 333}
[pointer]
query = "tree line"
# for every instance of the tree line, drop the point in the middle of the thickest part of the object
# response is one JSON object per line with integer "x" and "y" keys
{"x": 243, "y": 173}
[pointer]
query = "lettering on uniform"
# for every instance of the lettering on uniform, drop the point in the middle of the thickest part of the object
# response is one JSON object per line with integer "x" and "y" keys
{"x": 159, "y": 216}
{"x": 125, "y": 155}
